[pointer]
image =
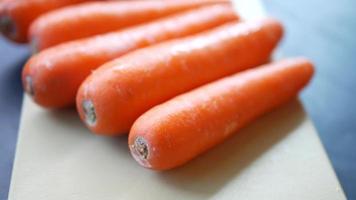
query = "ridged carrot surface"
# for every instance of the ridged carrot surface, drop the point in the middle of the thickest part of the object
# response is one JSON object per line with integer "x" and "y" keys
{"x": 54, "y": 75}
{"x": 177, "y": 131}
{"x": 17, "y": 15}
{"x": 95, "y": 18}
{"x": 116, "y": 94}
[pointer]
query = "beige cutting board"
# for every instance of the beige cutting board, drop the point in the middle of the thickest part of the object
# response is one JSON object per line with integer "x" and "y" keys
{"x": 277, "y": 157}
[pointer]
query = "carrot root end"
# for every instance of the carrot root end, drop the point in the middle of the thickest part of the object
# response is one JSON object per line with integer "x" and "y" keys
{"x": 89, "y": 112}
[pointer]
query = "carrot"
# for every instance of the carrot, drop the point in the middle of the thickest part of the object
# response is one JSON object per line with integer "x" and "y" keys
{"x": 177, "y": 131}
{"x": 116, "y": 94}
{"x": 54, "y": 75}
{"x": 95, "y": 18}
{"x": 17, "y": 15}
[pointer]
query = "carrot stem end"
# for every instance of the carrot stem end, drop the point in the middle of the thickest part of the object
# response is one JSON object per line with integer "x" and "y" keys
{"x": 34, "y": 45}
{"x": 140, "y": 148}
{"x": 8, "y": 27}
{"x": 89, "y": 112}
{"x": 28, "y": 85}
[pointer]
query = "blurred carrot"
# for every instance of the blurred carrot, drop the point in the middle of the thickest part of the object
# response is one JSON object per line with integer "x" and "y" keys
{"x": 177, "y": 131}
{"x": 54, "y": 75}
{"x": 95, "y": 18}
{"x": 116, "y": 94}
{"x": 17, "y": 15}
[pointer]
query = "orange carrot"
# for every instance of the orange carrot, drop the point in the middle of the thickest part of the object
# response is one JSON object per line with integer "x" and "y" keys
{"x": 54, "y": 75}
{"x": 116, "y": 94}
{"x": 95, "y": 18}
{"x": 177, "y": 131}
{"x": 17, "y": 15}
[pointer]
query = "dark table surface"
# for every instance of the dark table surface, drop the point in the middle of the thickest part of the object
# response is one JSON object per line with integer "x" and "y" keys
{"x": 323, "y": 31}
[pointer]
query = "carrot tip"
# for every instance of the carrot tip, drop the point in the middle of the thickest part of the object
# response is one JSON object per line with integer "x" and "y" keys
{"x": 28, "y": 85}
{"x": 7, "y": 26}
{"x": 140, "y": 150}
{"x": 89, "y": 112}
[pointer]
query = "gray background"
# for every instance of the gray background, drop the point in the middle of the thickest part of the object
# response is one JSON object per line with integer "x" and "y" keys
{"x": 323, "y": 31}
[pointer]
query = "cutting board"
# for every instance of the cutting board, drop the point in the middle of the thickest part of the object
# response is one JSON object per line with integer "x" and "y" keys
{"x": 277, "y": 157}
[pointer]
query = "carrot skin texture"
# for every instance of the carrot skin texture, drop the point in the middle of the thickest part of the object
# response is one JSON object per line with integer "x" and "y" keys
{"x": 57, "y": 72}
{"x": 177, "y": 131}
{"x": 125, "y": 88}
{"x": 93, "y": 18}
{"x": 16, "y": 16}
